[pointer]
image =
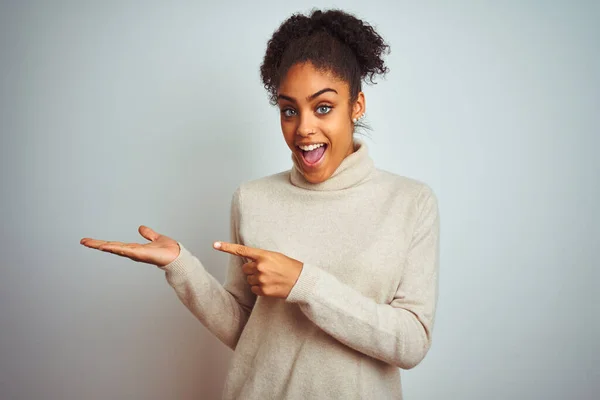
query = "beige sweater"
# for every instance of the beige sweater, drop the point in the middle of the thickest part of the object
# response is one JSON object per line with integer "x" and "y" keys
{"x": 364, "y": 303}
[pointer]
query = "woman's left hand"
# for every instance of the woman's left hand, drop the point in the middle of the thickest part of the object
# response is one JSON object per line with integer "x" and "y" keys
{"x": 268, "y": 272}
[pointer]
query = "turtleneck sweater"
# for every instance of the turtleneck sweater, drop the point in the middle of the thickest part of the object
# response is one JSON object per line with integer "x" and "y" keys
{"x": 363, "y": 306}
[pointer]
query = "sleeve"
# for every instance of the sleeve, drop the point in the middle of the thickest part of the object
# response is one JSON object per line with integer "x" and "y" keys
{"x": 222, "y": 309}
{"x": 398, "y": 333}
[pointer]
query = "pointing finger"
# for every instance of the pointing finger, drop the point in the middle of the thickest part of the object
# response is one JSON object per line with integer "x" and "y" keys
{"x": 239, "y": 250}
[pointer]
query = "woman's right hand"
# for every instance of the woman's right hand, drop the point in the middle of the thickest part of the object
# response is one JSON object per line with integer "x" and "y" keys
{"x": 161, "y": 250}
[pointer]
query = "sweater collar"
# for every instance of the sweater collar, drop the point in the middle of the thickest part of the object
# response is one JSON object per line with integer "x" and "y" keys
{"x": 353, "y": 170}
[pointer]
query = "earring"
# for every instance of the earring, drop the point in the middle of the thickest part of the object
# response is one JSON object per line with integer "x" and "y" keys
{"x": 355, "y": 120}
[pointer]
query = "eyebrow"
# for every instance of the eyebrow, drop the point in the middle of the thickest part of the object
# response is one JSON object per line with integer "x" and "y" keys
{"x": 309, "y": 98}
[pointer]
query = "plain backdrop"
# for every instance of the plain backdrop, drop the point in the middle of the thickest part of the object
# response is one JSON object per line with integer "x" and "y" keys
{"x": 121, "y": 113}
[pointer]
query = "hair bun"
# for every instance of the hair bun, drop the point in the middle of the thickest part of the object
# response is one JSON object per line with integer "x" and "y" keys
{"x": 367, "y": 45}
{"x": 330, "y": 39}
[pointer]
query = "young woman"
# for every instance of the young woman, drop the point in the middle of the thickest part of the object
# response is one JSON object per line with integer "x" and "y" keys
{"x": 333, "y": 269}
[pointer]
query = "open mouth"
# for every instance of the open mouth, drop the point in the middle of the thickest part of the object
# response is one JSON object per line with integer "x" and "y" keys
{"x": 313, "y": 157}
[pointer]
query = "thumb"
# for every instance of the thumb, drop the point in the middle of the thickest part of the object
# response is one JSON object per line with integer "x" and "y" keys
{"x": 148, "y": 233}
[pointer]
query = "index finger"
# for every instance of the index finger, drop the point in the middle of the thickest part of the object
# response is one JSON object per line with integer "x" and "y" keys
{"x": 95, "y": 243}
{"x": 239, "y": 250}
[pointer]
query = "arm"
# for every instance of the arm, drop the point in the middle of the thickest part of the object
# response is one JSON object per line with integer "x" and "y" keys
{"x": 398, "y": 333}
{"x": 222, "y": 309}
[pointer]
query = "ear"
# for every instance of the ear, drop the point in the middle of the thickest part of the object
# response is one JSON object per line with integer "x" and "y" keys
{"x": 359, "y": 106}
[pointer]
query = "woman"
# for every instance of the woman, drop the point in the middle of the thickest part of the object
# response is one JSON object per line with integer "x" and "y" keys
{"x": 332, "y": 278}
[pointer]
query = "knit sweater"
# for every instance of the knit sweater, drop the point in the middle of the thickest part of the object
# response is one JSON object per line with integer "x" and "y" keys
{"x": 364, "y": 303}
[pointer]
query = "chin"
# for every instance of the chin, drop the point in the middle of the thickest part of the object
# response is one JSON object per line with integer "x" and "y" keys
{"x": 313, "y": 178}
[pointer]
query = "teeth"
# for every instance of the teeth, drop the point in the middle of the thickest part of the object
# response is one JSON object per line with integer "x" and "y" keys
{"x": 312, "y": 146}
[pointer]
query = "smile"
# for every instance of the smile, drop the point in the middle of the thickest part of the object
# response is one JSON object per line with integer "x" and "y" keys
{"x": 314, "y": 158}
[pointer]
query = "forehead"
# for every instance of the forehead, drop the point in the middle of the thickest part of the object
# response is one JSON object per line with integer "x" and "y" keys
{"x": 304, "y": 79}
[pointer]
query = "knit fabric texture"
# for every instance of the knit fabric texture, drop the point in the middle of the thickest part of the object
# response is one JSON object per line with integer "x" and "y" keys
{"x": 363, "y": 306}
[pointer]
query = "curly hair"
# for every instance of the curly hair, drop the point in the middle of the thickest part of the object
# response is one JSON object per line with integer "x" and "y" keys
{"x": 333, "y": 41}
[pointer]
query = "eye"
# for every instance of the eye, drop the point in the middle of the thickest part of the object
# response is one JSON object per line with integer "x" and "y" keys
{"x": 288, "y": 112}
{"x": 323, "y": 109}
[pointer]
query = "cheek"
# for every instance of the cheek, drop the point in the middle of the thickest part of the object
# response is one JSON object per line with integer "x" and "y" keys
{"x": 288, "y": 129}
{"x": 339, "y": 125}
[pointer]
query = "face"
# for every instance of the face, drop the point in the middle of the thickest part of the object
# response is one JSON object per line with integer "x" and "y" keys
{"x": 315, "y": 109}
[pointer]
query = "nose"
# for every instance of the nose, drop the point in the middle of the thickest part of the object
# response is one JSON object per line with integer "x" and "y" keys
{"x": 306, "y": 126}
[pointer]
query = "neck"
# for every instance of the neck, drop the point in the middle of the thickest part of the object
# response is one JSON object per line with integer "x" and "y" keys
{"x": 356, "y": 168}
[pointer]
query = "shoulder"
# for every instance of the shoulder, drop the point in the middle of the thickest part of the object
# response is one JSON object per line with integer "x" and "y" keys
{"x": 414, "y": 191}
{"x": 263, "y": 186}
{"x": 403, "y": 184}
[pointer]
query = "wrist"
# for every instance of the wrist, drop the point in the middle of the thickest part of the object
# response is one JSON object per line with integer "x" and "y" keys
{"x": 305, "y": 284}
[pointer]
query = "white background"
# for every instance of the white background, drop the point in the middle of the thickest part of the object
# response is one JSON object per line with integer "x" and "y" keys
{"x": 116, "y": 114}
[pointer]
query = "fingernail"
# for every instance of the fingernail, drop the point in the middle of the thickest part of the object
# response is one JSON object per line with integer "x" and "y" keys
{"x": 217, "y": 245}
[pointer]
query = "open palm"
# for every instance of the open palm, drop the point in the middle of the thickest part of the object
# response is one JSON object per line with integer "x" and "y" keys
{"x": 161, "y": 250}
